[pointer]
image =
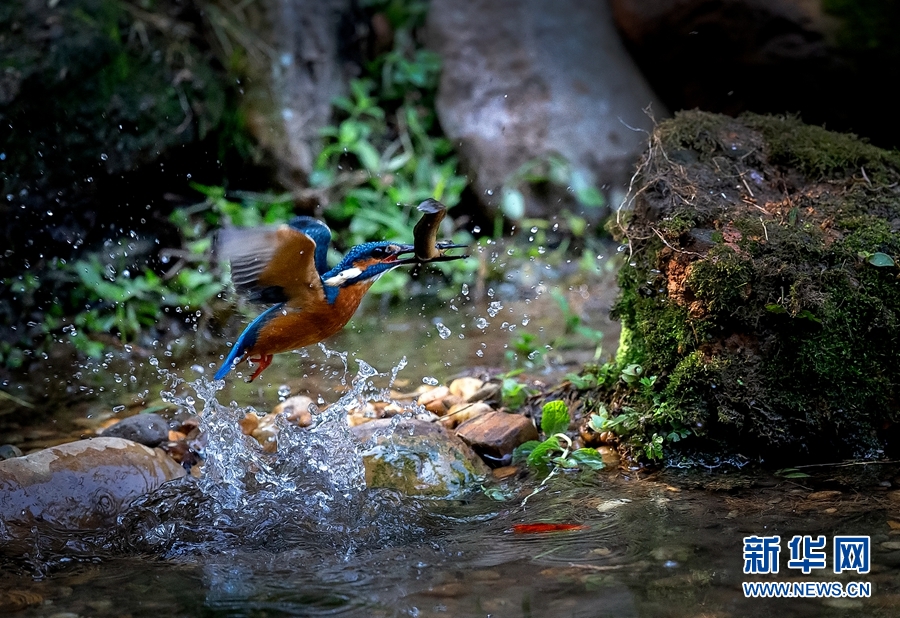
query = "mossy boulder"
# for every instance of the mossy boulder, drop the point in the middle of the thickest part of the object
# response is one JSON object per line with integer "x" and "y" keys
{"x": 761, "y": 302}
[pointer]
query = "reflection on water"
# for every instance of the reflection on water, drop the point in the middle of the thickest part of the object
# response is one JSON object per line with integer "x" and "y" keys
{"x": 296, "y": 533}
{"x": 648, "y": 548}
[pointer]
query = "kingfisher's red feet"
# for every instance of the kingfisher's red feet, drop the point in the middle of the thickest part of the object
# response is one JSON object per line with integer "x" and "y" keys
{"x": 264, "y": 361}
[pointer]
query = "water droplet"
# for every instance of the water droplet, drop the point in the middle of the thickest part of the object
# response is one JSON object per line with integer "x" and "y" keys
{"x": 118, "y": 409}
{"x": 525, "y": 320}
{"x": 430, "y": 381}
{"x": 494, "y": 308}
{"x": 284, "y": 392}
{"x": 621, "y": 248}
{"x": 442, "y": 330}
{"x": 465, "y": 289}
{"x": 481, "y": 323}
{"x": 476, "y": 229}
{"x": 479, "y": 353}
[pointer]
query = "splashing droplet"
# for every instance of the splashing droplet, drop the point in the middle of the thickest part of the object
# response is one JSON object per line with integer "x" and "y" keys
{"x": 430, "y": 381}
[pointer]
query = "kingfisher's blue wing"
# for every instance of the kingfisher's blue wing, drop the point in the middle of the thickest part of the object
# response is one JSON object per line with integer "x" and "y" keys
{"x": 321, "y": 235}
{"x": 277, "y": 264}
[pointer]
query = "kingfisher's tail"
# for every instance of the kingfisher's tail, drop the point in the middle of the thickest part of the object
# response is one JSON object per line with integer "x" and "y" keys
{"x": 234, "y": 357}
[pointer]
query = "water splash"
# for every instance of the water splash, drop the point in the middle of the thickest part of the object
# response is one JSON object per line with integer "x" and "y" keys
{"x": 310, "y": 493}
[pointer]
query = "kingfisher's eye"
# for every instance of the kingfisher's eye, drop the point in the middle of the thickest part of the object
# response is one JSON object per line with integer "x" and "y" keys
{"x": 380, "y": 252}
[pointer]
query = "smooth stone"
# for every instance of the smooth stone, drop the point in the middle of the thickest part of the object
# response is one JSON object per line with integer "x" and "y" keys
{"x": 418, "y": 458}
{"x": 494, "y": 435}
{"x": 79, "y": 485}
{"x": 8, "y": 451}
{"x": 462, "y": 412}
{"x": 465, "y": 387}
{"x": 527, "y": 80}
{"x": 146, "y": 429}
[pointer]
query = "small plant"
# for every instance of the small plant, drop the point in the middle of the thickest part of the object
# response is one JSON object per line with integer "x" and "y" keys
{"x": 575, "y": 329}
{"x": 556, "y": 449}
{"x": 512, "y": 392}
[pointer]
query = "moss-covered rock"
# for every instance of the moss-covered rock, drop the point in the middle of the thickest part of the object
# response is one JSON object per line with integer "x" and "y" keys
{"x": 761, "y": 306}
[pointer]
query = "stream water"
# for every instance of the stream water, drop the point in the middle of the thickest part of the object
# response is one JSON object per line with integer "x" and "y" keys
{"x": 297, "y": 533}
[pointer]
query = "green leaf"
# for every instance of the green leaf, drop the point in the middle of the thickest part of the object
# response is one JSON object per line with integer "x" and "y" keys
{"x": 881, "y": 259}
{"x": 542, "y": 453}
{"x": 806, "y": 314}
{"x": 598, "y": 421}
{"x": 554, "y": 418}
{"x": 521, "y": 452}
{"x": 587, "y": 457}
{"x": 775, "y": 308}
{"x": 368, "y": 156}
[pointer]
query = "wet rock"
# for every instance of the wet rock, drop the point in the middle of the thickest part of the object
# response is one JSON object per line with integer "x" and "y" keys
{"x": 433, "y": 400}
{"x": 525, "y": 80}
{"x": 489, "y": 393}
{"x": 741, "y": 363}
{"x": 494, "y": 435}
{"x": 504, "y": 472}
{"x": 15, "y": 600}
{"x": 80, "y": 485}
{"x": 610, "y": 456}
{"x": 146, "y": 429}
{"x": 297, "y": 409}
{"x": 418, "y": 458}
{"x": 462, "y": 412}
{"x": 824, "y": 495}
{"x": 8, "y": 451}
{"x": 464, "y": 388}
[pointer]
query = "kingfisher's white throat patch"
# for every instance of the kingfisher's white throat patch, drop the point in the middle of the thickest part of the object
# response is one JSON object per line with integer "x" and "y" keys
{"x": 344, "y": 275}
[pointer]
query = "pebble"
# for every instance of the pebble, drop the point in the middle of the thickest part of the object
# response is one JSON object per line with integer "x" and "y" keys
{"x": 418, "y": 458}
{"x": 147, "y": 429}
{"x": 464, "y": 388}
{"x": 824, "y": 495}
{"x": 8, "y": 451}
{"x": 490, "y": 392}
{"x": 462, "y": 412}
{"x": 494, "y": 435}
{"x": 433, "y": 400}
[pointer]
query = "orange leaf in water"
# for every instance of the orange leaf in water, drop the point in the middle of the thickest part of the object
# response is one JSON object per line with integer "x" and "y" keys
{"x": 539, "y": 528}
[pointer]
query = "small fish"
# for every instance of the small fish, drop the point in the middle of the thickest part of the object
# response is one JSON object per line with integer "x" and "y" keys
{"x": 542, "y": 528}
{"x": 425, "y": 233}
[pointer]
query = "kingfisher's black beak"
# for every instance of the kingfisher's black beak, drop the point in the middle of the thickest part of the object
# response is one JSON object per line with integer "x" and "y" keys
{"x": 399, "y": 256}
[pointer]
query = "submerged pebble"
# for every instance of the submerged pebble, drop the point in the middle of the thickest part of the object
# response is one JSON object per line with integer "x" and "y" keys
{"x": 146, "y": 429}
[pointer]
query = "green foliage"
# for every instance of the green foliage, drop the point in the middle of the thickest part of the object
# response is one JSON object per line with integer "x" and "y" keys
{"x": 126, "y": 304}
{"x": 512, "y": 392}
{"x": 791, "y": 473}
{"x": 539, "y": 456}
{"x": 554, "y": 418}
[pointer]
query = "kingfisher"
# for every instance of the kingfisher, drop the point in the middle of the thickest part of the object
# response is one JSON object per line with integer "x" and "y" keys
{"x": 286, "y": 266}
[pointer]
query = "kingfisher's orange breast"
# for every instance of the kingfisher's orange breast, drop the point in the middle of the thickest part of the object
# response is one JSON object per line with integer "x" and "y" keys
{"x": 292, "y": 329}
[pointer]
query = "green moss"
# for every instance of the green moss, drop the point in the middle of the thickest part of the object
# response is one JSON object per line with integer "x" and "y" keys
{"x": 819, "y": 153}
{"x": 784, "y": 330}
